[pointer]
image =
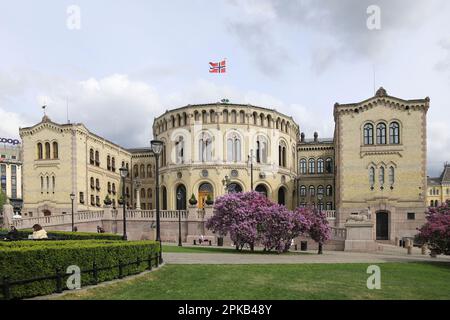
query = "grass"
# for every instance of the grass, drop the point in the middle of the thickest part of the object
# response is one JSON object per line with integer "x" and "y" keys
{"x": 207, "y": 249}
{"x": 287, "y": 282}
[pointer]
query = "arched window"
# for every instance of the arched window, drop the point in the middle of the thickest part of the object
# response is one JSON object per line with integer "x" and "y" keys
{"x": 282, "y": 196}
{"x": 329, "y": 165}
{"x": 149, "y": 193}
{"x": 242, "y": 116}
{"x": 142, "y": 175}
{"x": 329, "y": 191}
{"x": 368, "y": 133}
{"x": 180, "y": 197}
{"x": 92, "y": 183}
{"x": 233, "y": 116}
{"x": 53, "y": 184}
{"x": 42, "y": 184}
{"x": 108, "y": 162}
{"x": 312, "y": 165}
{"x": 320, "y": 165}
{"x": 142, "y": 193}
{"x": 179, "y": 149}
{"x": 431, "y": 203}
{"x": 149, "y": 171}
{"x": 282, "y": 154}
{"x": 320, "y": 190}
{"x": 48, "y": 184}
{"x": 196, "y": 115}
{"x": 97, "y": 184}
{"x": 255, "y": 118}
{"x": 381, "y": 176}
{"x": 109, "y": 187}
{"x": 303, "y": 166}
{"x": 261, "y": 120}
{"x": 113, "y": 189}
{"x": 225, "y": 116}
{"x": 394, "y": 133}
{"x": 55, "y": 150}
{"x": 212, "y": 115}
{"x": 136, "y": 170}
{"x": 233, "y": 148}
{"x": 312, "y": 191}
{"x": 391, "y": 176}
{"x": 204, "y": 117}
{"x": 381, "y": 133}
{"x": 261, "y": 149}
{"x": 302, "y": 191}
{"x": 91, "y": 156}
{"x": 113, "y": 164}
{"x": 261, "y": 189}
{"x": 372, "y": 176}
{"x": 97, "y": 158}
{"x": 205, "y": 147}
{"x": 47, "y": 150}
{"x": 39, "y": 151}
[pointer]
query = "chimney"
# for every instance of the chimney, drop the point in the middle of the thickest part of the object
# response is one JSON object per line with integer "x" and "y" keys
{"x": 316, "y": 137}
{"x": 302, "y": 137}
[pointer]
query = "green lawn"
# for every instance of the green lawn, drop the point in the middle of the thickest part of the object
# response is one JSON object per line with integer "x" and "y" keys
{"x": 207, "y": 249}
{"x": 302, "y": 281}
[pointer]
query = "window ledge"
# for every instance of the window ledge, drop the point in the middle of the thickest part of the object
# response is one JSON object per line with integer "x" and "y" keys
{"x": 366, "y": 150}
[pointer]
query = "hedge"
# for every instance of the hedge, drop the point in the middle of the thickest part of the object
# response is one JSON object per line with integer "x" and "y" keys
{"x": 24, "y": 260}
{"x": 68, "y": 235}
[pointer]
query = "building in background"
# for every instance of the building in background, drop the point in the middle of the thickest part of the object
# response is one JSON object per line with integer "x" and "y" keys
{"x": 438, "y": 189}
{"x": 381, "y": 156}
{"x": 60, "y": 159}
{"x": 11, "y": 171}
{"x": 316, "y": 172}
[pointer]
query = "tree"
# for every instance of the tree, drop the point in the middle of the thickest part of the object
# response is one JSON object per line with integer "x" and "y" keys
{"x": 278, "y": 226}
{"x": 319, "y": 229}
{"x": 436, "y": 231}
{"x": 2, "y": 200}
{"x": 238, "y": 214}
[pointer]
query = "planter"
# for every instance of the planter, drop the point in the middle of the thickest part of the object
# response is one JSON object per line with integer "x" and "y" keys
{"x": 193, "y": 202}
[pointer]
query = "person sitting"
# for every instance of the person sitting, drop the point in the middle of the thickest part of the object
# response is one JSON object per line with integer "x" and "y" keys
{"x": 39, "y": 233}
{"x": 13, "y": 234}
{"x": 100, "y": 229}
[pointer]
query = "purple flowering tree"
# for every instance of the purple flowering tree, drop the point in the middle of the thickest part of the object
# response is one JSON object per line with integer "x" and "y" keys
{"x": 319, "y": 229}
{"x": 278, "y": 226}
{"x": 237, "y": 214}
{"x": 436, "y": 231}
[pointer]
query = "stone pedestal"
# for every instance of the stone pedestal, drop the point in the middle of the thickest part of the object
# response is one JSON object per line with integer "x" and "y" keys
{"x": 8, "y": 213}
{"x": 360, "y": 237}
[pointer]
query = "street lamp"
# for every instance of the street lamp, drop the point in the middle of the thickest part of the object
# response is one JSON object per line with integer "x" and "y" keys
{"x": 123, "y": 174}
{"x": 226, "y": 183}
{"x": 250, "y": 160}
{"x": 179, "y": 197}
{"x": 157, "y": 147}
{"x": 320, "y": 197}
{"x": 72, "y": 197}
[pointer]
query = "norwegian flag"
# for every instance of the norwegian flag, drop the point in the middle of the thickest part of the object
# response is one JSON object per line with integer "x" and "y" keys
{"x": 217, "y": 67}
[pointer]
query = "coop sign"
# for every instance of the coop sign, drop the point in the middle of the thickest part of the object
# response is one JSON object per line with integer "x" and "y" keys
{"x": 9, "y": 141}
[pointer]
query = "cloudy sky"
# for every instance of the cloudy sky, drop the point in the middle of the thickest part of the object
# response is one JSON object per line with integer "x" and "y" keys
{"x": 124, "y": 62}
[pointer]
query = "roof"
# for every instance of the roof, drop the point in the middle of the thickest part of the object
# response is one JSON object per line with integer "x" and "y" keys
{"x": 319, "y": 140}
{"x": 140, "y": 150}
{"x": 444, "y": 178}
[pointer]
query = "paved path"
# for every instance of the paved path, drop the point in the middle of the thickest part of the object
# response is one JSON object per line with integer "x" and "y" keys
{"x": 313, "y": 257}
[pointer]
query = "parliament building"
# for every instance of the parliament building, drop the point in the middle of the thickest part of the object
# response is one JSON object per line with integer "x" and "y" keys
{"x": 375, "y": 162}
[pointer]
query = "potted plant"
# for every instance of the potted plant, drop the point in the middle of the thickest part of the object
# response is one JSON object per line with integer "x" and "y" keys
{"x": 120, "y": 201}
{"x": 107, "y": 200}
{"x": 192, "y": 200}
{"x": 209, "y": 200}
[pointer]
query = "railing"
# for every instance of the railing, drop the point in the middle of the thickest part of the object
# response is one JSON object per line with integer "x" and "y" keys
{"x": 7, "y": 283}
{"x": 331, "y": 214}
{"x": 98, "y": 215}
{"x": 338, "y": 233}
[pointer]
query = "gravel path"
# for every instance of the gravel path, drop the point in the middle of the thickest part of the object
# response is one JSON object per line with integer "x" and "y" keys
{"x": 326, "y": 257}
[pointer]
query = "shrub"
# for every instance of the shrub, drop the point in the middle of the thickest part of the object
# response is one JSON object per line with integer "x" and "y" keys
{"x": 436, "y": 232}
{"x": 68, "y": 235}
{"x": 24, "y": 260}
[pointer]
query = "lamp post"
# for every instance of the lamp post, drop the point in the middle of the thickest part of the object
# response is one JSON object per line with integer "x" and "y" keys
{"x": 72, "y": 197}
{"x": 179, "y": 197}
{"x": 157, "y": 147}
{"x": 320, "y": 197}
{"x": 226, "y": 183}
{"x": 250, "y": 159}
{"x": 123, "y": 175}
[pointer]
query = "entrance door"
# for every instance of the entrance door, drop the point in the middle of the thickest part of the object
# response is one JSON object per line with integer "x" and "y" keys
{"x": 204, "y": 190}
{"x": 382, "y": 225}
